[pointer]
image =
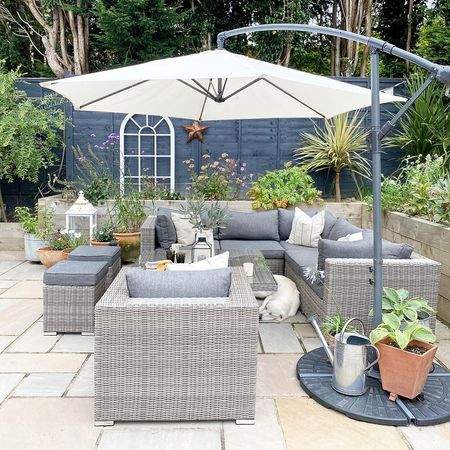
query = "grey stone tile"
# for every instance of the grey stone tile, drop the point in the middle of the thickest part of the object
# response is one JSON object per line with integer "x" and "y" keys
{"x": 5, "y": 341}
{"x": 298, "y": 318}
{"x": 304, "y": 330}
{"x": 74, "y": 343}
{"x": 8, "y": 265}
{"x": 44, "y": 385}
{"x": 149, "y": 439}
{"x": 442, "y": 331}
{"x": 18, "y": 314}
{"x": 435, "y": 437}
{"x": 279, "y": 338}
{"x": 311, "y": 343}
{"x": 33, "y": 341}
{"x": 41, "y": 362}
{"x": 24, "y": 271}
{"x": 8, "y": 381}
{"x": 6, "y": 284}
{"x": 83, "y": 383}
{"x": 24, "y": 289}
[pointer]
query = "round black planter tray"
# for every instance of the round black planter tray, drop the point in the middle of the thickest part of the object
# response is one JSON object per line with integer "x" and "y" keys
{"x": 431, "y": 408}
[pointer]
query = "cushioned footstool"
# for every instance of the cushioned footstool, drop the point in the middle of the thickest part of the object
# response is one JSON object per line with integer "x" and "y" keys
{"x": 71, "y": 290}
{"x": 108, "y": 253}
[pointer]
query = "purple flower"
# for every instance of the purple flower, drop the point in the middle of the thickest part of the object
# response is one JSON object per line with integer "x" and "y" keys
{"x": 244, "y": 164}
{"x": 233, "y": 174}
{"x": 242, "y": 169}
{"x": 251, "y": 175}
{"x": 96, "y": 146}
{"x": 81, "y": 158}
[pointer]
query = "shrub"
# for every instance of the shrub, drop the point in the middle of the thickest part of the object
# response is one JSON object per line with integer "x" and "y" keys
{"x": 284, "y": 187}
{"x": 40, "y": 225}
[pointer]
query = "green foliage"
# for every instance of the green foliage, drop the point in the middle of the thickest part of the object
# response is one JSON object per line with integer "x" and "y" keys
{"x": 203, "y": 217}
{"x": 339, "y": 145}
{"x": 391, "y": 328}
{"x": 284, "y": 187}
{"x": 65, "y": 239}
{"x": 151, "y": 190}
{"x": 333, "y": 325}
{"x": 425, "y": 128}
{"x": 39, "y": 223}
{"x": 29, "y": 129}
{"x": 128, "y": 211}
{"x": 105, "y": 233}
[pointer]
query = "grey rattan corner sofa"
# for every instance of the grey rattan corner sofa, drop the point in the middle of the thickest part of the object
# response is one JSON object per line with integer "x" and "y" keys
{"x": 176, "y": 359}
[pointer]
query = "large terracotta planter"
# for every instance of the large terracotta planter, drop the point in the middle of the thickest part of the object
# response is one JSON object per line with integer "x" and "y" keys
{"x": 98, "y": 243}
{"x": 50, "y": 257}
{"x": 130, "y": 243}
{"x": 404, "y": 373}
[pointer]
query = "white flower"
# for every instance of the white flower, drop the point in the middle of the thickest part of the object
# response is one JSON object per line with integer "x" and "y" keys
{"x": 77, "y": 235}
{"x": 71, "y": 231}
{"x": 64, "y": 232}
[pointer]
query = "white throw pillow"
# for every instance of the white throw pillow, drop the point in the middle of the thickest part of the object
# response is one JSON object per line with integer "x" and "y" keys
{"x": 216, "y": 262}
{"x": 306, "y": 230}
{"x": 185, "y": 230}
{"x": 352, "y": 237}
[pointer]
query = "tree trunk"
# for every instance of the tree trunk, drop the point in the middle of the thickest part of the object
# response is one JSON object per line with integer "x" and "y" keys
{"x": 337, "y": 186}
{"x": 409, "y": 35}
{"x": 334, "y": 42}
{"x": 368, "y": 33}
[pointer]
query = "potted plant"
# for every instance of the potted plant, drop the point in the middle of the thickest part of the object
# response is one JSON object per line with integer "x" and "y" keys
{"x": 35, "y": 228}
{"x": 406, "y": 355}
{"x": 104, "y": 235}
{"x": 128, "y": 217}
{"x": 60, "y": 244}
{"x": 333, "y": 325}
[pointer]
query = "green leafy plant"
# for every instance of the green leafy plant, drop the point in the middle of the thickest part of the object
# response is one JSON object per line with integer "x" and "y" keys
{"x": 151, "y": 190}
{"x": 332, "y": 325}
{"x": 339, "y": 145}
{"x": 284, "y": 187}
{"x": 128, "y": 212}
{"x": 105, "y": 233}
{"x": 38, "y": 223}
{"x": 66, "y": 239}
{"x": 202, "y": 216}
{"x": 391, "y": 328}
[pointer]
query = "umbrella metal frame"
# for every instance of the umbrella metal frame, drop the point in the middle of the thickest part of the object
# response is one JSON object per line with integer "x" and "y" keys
{"x": 435, "y": 72}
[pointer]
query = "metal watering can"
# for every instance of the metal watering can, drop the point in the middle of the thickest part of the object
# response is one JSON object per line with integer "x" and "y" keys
{"x": 349, "y": 361}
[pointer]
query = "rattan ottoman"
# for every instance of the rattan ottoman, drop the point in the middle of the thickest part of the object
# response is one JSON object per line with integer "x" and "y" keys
{"x": 110, "y": 254}
{"x": 71, "y": 290}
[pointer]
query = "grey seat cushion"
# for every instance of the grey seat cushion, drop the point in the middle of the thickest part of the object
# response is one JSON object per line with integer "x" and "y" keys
{"x": 165, "y": 229}
{"x": 359, "y": 249}
{"x": 76, "y": 273}
{"x": 255, "y": 226}
{"x": 192, "y": 284}
{"x": 286, "y": 217}
{"x": 302, "y": 262}
{"x": 269, "y": 249}
{"x": 341, "y": 228}
{"x": 292, "y": 247}
{"x": 107, "y": 253}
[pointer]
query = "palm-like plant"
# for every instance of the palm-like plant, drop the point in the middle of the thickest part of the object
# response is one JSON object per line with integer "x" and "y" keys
{"x": 339, "y": 145}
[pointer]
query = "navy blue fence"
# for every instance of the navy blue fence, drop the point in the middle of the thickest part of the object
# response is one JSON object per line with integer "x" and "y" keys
{"x": 262, "y": 144}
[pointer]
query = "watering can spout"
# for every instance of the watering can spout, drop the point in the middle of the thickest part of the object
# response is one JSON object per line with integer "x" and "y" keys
{"x": 313, "y": 321}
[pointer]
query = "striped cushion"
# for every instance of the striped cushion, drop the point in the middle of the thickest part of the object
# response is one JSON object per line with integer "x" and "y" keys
{"x": 306, "y": 230}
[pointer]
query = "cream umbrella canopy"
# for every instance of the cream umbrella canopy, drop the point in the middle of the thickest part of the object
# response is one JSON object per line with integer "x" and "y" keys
{"x": 213, "y": 85}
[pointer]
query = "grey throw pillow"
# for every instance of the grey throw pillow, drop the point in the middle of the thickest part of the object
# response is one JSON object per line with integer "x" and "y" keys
{"x": 342, "y": 227}
{"x": 192, "y": 284}
{"x": 257, "y": 226}
{"x": 165, "y": 229}
{"x": 359, "y": 249}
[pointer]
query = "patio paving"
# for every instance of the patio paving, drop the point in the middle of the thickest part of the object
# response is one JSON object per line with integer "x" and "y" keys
{"x": 46, "y": 391}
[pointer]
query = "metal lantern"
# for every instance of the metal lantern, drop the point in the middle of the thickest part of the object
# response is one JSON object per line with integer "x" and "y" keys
{"x": 82, "y": 208}
{"x": 201, "y": 249}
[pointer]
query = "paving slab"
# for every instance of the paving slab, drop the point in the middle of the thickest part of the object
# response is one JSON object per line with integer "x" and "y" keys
{"x": 435, "y": 437}
{"x": 8, "y": 381}
{"x": 279, "y": 338}
{"x": 309, "y": 426}
{"x": 277, "y": 377}
{"x": 18, "y": 314}
{"x": 40, "y": 362}
{"x": 6, "y": 265}
{"x": 311, "y": 343}
{"x": 298, "y": 318}
{"x": 12, "y": 255}
{"x": 304, "y": 330}
{"x": 34, "y": 341}
{"x": 6, "y": 284}
{"x": 149, "y": 439}
{"x": 75, "y": 343}
{"x": 443, "y": 352}
{"x": 48, "y": 423}
{"x": 266, "y": 434}
{"x": 5, "y": 341}
{"x": 44, "y": 385}
{"x": 83, "y": 384}
{"x": 442, "y": 331}
{"x": 24, "y": 289}
{"x": 24, "y": 271}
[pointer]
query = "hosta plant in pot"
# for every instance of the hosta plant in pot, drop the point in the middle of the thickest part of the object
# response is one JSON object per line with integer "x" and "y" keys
{"x": 104, "y": 235}
{"x": 406, "y": 355}
{"x": 35, "y": 227}
{"x": 129, "y": 215}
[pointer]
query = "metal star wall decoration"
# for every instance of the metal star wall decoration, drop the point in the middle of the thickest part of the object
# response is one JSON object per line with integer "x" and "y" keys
{"x": 195, "y": 131}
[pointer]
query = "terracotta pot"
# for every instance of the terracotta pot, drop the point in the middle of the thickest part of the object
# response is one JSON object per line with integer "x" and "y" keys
{"x": 404, "y": 373}
{"x": 130, "y": 243}
{"x": 50, "y": 257}
{"x": 98, "y": 243}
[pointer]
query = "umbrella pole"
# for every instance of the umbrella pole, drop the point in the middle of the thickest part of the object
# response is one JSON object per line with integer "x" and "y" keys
{"x": 376, "y": 187}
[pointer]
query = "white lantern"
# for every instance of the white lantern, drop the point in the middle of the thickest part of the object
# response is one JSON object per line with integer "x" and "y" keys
{"x": 82, "y": 208}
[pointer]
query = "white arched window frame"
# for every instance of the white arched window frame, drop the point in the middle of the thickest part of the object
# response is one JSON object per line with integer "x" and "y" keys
{"x": 145, "y": 130}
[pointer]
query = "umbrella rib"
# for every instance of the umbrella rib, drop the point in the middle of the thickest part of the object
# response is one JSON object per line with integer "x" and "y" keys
{"x": 112, "y": 93}
{"x": 202, "y": 91}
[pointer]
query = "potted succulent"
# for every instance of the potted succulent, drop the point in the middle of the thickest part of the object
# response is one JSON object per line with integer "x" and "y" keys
{"x": 128, "y": 217}
{"x": 104, "y": 235}
{"x": 35, "y": 228}
{"x": 406, "y": 355}
{"x": 60, "y": 244}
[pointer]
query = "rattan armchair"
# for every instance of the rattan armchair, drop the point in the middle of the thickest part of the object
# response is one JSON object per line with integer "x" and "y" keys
{"x": 176, "y": 359}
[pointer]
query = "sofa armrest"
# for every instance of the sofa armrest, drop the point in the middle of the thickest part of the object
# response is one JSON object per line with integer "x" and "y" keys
{"x": 148, "y": 236}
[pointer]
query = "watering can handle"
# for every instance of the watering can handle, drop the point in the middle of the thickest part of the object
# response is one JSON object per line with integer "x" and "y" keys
{"x": 374, "y": 362}
{"x": 341, "y": 339}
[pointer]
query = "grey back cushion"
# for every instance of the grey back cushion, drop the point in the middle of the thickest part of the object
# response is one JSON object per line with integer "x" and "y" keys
{"x": 193, "y": 284}
{"x": 286, "y": 217}
{"x": 251, "y": 226}
{"x": 342, "y": 227}
{"x": 359, "y": 249}
{"x": 165, "y": 229}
